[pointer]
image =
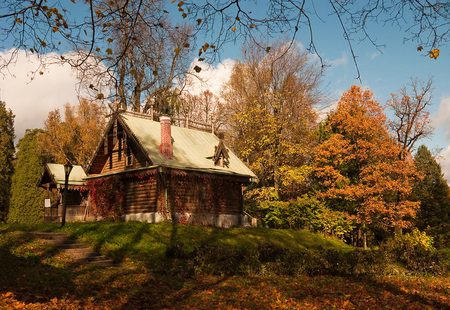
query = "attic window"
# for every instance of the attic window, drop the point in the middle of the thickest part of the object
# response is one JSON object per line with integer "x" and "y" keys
{"x": 221, "y": 157}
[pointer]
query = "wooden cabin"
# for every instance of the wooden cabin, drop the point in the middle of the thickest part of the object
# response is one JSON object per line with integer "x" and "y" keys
{"x": 161, "y": 172}
{"x": 52, "y": 180}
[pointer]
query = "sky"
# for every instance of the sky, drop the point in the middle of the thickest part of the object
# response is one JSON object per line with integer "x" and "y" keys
{"x": 383, "y": 71}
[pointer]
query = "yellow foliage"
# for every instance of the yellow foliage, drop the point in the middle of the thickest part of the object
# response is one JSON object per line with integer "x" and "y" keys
{"x": 434, "y": 53}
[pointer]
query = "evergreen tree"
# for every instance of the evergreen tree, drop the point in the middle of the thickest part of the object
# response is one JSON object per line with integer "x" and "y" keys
{"x": 432, "y": 191}
{"x": 27, "y": 200}
{"x": 6, "y": 158}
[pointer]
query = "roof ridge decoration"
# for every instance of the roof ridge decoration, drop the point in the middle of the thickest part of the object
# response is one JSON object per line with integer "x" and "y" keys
{"x": 221, "y": 157}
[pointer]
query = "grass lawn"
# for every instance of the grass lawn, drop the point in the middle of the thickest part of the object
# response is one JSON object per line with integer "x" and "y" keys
{"x": 31, "y": 276}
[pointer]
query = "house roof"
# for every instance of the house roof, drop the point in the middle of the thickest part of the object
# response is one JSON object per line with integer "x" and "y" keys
{"x": 76, "y": 176}
{"x": 192, "y": 149}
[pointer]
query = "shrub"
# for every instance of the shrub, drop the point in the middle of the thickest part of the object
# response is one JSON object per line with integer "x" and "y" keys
{"x": 415, "y": 250}
{"x": 305, "y": 212}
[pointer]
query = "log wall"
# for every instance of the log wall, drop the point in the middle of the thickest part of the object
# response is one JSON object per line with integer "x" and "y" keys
{"x": 140, "y": 196}
{"x": 197, "y": 194}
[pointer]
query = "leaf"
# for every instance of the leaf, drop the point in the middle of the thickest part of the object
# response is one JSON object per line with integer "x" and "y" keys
{"x": 201, "y": 59}
{"x": 268, "y": 49}
{"x": 233, "y": 28}
{"x": 108, "y": 51}
{"x": 177, "y": 51}
{"x": 180, "y": 3}
{"x": 186, "y": 45}
{"x": 197, "y": 69}
{"x": 184, "y": 15}
{"x": 434, "y": 53}
{"x": 199, "y": 21}
{"x": 237, "y": 18}
{"x": 100, "y": 96}
{"x": 419, "y": 48}
{"x": 252, "y": 26}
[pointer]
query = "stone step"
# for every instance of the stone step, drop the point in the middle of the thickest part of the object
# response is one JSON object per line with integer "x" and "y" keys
{"x": 73, "y": 245}
{"x": 104, "y": 263}
{"x": 50, "y": 235}
{"x": 78, "y": 252}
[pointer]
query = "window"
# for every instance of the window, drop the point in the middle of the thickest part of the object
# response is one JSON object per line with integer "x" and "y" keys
{"x": 105, "y": 146}
{"x": 129, "y": 156}
{"x": 119, "y": 154}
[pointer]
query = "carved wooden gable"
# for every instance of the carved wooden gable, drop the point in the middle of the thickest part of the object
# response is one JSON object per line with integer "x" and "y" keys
{"x": 221, "y": 157}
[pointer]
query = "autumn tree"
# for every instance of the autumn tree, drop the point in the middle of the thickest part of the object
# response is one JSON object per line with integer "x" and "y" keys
{"x": 6, "y": 157}
{"x": 269, "y": 103}
{"x": 357, "y": 168}
{"x": 75, "y": 137}
{"x": 205, "y": 108}
{"x": 27, "y": 199}
{"x": 431, "y": 190}
{"x": 411, "y": 120}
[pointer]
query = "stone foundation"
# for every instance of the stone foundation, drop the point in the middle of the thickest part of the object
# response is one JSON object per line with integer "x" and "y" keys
{"x": 204, "y": 219}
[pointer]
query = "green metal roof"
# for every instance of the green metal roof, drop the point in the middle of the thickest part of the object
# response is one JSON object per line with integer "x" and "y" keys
{"x": 192, "y": 149}
{"x": 76, "y": 176}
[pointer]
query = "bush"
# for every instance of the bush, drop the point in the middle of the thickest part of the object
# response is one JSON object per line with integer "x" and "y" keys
{"x": 305, "y": 212}
{"x": 415, "y": 250}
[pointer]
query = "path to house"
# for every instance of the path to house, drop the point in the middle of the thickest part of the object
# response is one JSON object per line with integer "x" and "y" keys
{"x": 71, "y": 249}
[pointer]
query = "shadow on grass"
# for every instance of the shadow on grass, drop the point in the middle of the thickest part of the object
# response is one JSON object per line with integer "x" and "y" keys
{"x": 29, "y": 279}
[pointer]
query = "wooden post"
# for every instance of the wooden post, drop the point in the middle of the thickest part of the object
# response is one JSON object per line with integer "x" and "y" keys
{"x": 64, "y": 201}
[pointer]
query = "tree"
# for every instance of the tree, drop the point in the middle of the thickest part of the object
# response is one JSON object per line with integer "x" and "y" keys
{"x": 269, "y": 103}
{"x": 6, "y": 158}
{"x": 41, "y": 27}
{"x": 27, "y": 200}
{"x": 357, "y": 168}
{"x": 205, "y": 108}
{"x": 76, "y": 137}
{"x": 411, "y": 117}
{"x": 431, "y": 190}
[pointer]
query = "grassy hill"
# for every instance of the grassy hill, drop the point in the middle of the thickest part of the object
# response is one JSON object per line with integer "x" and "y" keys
{"x": 210, "y": 268}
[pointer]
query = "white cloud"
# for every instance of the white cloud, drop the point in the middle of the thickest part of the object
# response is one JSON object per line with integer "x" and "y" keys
{"x": 444, "y": 161}
{"x": 30, "y": 98}
{"x": 375, "y": 55}
{"x": 211, "y": 77}
{"x": 341, "y": 61}
{"x": 442, "y": 117}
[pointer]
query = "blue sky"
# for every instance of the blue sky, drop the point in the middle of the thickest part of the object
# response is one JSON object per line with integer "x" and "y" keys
{"x": 383, "y": 73}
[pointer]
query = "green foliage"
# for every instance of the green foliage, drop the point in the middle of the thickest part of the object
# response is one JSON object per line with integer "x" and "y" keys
{"x": 305, "y": 212}
{"x": 27, "y": 200}
{"x": 432, "y": 191}
{"x": 6, "y": 158}
{"x": 415, "y": 250}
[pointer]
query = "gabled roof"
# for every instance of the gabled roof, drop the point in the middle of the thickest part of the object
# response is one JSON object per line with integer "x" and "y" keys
{"x": 192, "y": 149}
{"x": 56, "y": 173}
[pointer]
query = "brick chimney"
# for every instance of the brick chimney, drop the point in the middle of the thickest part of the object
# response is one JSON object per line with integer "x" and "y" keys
{"x": 166, "y": 148}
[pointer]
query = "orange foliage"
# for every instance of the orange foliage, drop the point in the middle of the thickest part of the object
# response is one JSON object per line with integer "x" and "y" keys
{"x": 358, "y": 167}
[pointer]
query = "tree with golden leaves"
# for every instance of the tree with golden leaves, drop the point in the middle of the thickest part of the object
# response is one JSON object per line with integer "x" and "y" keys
{"x": 358, "y": 169}
{"x": 269, "y": 104}
{"x": 75, "y": 137}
